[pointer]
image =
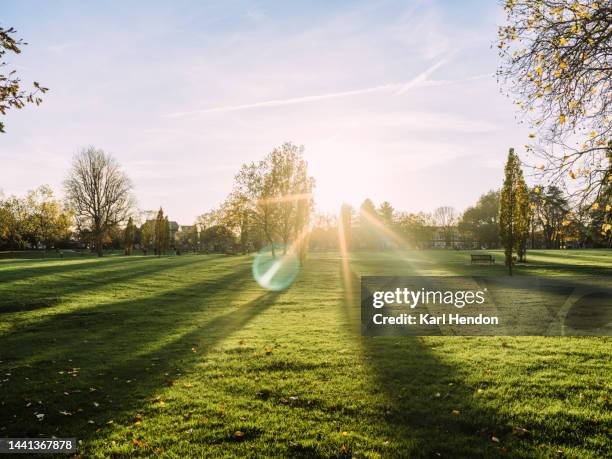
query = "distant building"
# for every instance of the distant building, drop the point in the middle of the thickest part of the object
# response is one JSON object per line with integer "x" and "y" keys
{"x": 442, "y": 238}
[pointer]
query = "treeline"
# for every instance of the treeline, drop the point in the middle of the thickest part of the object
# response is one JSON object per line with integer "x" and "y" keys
{"x": 516, "y": 218}
{"x": 38, "y": 219}
{"x": 270, "y": 204}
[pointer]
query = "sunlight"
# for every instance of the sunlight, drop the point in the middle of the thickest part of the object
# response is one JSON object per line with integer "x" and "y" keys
{"x": 346, "y": 273}
{"x": 387, "y": 231}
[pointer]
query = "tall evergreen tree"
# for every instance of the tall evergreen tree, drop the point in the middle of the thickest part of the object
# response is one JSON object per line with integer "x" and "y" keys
{"x": 523, "y": 217}
{"x": 513, "y": 219}
{"x": 128, "y": 237}
{"x": 166, "y": 235}
{"x": 159, "y": 232}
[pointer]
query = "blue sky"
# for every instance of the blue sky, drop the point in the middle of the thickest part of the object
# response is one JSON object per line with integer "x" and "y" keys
{"x": 392, "y": 100}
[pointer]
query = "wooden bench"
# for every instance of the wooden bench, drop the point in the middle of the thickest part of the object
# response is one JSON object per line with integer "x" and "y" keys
{"x": 482, "y": 258}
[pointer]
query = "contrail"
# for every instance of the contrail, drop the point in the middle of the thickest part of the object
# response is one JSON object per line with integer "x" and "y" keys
{"x": 420, "y": 80}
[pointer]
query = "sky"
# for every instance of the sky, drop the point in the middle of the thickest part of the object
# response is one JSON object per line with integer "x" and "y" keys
{"x": 392, "y": 100}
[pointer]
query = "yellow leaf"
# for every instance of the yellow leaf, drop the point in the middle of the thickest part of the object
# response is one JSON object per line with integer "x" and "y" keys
{"x": 562, "y": 41}
{"x": 608, "y": 207}
{"x": 539, "y": 71}
{"x": 572, "y": 175}
{"x": 595, "y": 206}
{"x": 561, "y": 119}
{"x": 563, "y": 65}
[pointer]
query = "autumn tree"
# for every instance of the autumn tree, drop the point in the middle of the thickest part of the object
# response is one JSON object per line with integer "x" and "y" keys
{"x": 12, "y": 94}
{"x": 513, "y": 218}
{"x": 524, "y": 217}
{"x": 98, "y": 192}
{"x": 276, "y": 193}
{"x": 50, "y": 221}
{"x": 237, "y": 215}
{"x": 160, "y": 226}
{"x": 129, "y": 234}
{"x": 557, "y": 62}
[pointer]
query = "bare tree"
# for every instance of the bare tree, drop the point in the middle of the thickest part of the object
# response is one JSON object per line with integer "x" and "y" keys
{"x": 446, "y": 218}
{"x": 557, "y": 61}
{"x": 98, "y": 193}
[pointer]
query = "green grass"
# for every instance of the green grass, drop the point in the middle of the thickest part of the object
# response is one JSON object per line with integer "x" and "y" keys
{"x": 172, "y": 356}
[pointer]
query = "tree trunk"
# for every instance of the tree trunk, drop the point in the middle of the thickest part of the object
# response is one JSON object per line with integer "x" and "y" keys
{"x": 99, "y": 248}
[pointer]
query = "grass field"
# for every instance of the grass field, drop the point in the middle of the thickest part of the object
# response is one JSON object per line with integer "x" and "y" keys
{"x": 188, "y": 357}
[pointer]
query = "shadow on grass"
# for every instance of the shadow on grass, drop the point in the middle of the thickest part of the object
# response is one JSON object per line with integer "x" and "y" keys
{"x": 28, "y": 292}
{"x": 117, "y": 355}
{"x": 428, "y": 412}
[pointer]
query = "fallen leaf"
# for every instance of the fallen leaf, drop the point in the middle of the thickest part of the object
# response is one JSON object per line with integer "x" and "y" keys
{"x": 238, "y": 435}
{"x": 520, "y": 431}
{"x": 495, "y": 439}
{"x": 138, "y": 443}
{"x": 65, "y": 413}
{"x": 456, "y": 412}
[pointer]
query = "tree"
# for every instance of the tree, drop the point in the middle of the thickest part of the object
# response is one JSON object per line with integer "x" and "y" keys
{"x": 128, "y": 236}
{"x": 557, "y": 61}
{"x": 50, "y": 223}
{"x": 98, "y": 193}
{"x": 276, "y": 194}
{"x": 479, "y": 223}
{"x": 160, "y": 227}
{"x": 387, "y": 214}
{"x": 147, "y": 235}
{"x": 193, "y": 238}
{"x": 346, "y": 224}
{"x": 166, "y": 242}
{"x": 16, "y": 222}
{"x": 367, "y": 223}
{"x": 238, "y": 217}
{"x": 445, "y": 218}
{"x": 11, "y": 93}
{"x": 217, "y": 238}
{"x": 524, "y": 217}
{"x": 511, "y": 224}
{"x": 416, "y": 229}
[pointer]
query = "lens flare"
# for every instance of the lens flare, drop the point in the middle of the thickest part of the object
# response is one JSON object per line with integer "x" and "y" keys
{"x": 275, "y": 272}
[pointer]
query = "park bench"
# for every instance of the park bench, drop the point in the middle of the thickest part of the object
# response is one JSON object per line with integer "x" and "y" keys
{"x": 482, "y": 258}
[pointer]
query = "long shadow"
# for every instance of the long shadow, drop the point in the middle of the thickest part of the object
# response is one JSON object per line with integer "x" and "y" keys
{"x": 436, "y": 403}
{"x": 427, "y": 407}
{"x": 24, "y": 297}
{"x": 134, "y": 353}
